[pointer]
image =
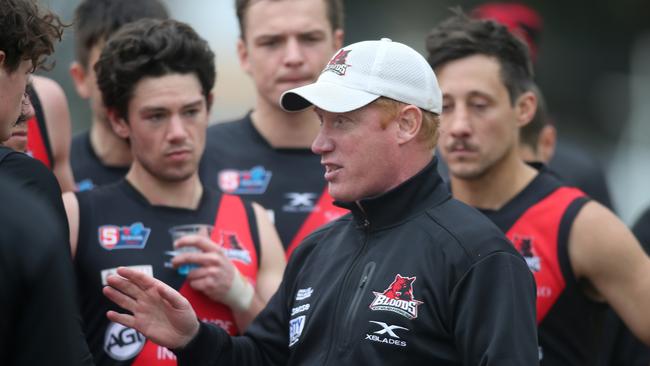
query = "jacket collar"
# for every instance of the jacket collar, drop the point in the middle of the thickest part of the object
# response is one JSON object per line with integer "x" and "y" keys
{"x": 412, "y": 197}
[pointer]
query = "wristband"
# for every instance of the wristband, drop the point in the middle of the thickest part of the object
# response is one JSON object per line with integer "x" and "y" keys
{"x": 240, "y": 295}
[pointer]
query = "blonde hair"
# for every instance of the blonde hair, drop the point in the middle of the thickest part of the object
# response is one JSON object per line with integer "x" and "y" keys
{"x": 430, "y": 121}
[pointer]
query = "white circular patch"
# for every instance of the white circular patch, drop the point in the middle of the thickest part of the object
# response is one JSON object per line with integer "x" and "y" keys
{"x": 122, "y": 343}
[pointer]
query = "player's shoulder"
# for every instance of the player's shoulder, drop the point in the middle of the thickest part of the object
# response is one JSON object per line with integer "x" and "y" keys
{"x": 224, "y": 131}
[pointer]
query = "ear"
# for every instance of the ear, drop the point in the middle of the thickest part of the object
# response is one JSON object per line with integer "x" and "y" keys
{"x": 3, "y": 56}
{"x": 242, "y": 53}
{"x": 546, "y": 143}
{"x": 338, "y": 38}
{"x": 79, "y": 77}
{"x": 409, "y": 122}
{"x": 210, "y": 101}
{"x": 525, "y": 108}
{"x": 119, "y": 125}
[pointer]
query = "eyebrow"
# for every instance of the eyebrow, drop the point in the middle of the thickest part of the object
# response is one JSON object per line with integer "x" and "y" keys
{"x": 272, "y": 35}
{"x": 198, "y": 103}
{"x": 151, "y": 109}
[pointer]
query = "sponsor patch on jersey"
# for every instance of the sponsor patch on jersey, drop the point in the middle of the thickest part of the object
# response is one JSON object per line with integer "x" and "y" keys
{"x": 524, "y": 245}
{"x": 146, "y": 269}
{"x": 126, "y": 237}
{"x": 295, "y": 329}
{"x": 387, "y": 334}
{"x": 254, "y": 181}
{"x": 233, "y": 248}
{"x": 299, "y": 309}
{"x": 122, "y": 343}
{"x": 300, "y": 202}
{"x": 398, "y": 298}
{"x": 304, "y": 293}
{"x": 85, "y": 185}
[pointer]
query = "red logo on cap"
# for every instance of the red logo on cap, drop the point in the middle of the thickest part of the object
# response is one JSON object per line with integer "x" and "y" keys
{"x": 337, "y": 63}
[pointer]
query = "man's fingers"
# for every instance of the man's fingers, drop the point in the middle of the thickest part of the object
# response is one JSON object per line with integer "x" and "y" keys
{"x": 205, "y": 244}
{"x": 122, "y": 300}
{"x": 198, "y": 273}
{"x": 124, "y": 319}
{"x": 200, "y": 284}
{"x": 202, "y": 259}
{"x": 124, "y": 285}
{"x": 173, "y": 297}
{"x": 141, "y": 280}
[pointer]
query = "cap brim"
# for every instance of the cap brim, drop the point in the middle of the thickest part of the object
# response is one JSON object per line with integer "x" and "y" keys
{"x": 327, "y": 96}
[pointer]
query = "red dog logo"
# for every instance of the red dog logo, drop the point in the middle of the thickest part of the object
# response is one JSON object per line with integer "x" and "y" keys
{"x": 337, "y": 64}
{"x": 398, "y": 298}
{"x": 339, "y": 58}
{"x": 401, "y": 288}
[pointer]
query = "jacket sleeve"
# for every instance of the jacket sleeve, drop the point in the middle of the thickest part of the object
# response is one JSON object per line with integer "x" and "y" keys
{"x": 494, "y": 316}
{"x": 266, "y": 341}
{"x": 41, "y": 323}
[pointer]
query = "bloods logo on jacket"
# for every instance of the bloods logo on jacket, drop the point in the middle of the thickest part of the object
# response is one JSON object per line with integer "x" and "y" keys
{"x": 254, "y": 181}
{"x": 398, "y": 298}
{"x": 126, "y": 237}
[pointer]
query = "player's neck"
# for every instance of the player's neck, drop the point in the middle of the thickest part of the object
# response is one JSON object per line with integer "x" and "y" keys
{"x": 110, "y": 149}
{"x": 497, "y": 186}
{"x": 180, "y": 194}
{"x": 282, "y": 129}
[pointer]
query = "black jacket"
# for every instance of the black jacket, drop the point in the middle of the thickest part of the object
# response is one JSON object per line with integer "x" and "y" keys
{"x": 40, "y": 324}
{"x": 415, "y": 277}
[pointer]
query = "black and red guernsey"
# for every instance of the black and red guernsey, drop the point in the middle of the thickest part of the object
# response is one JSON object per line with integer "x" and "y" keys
{"x": 538, "y": 222}
{"x": 118, "y": 227}
{"x": 38, "y": 140}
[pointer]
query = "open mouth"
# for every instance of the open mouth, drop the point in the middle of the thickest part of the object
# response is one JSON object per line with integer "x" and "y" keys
{"x": 331, "y": 170}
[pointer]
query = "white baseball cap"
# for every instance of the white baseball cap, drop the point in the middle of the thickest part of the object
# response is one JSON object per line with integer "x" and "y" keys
{"x": 364, "y": 71}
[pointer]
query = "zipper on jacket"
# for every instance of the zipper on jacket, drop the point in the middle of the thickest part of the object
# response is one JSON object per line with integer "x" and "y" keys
{"x": 366, "y": 276}
{"x": 365, "y": 225}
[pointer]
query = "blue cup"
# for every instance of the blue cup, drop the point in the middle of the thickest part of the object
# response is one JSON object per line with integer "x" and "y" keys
{"x": 180, "y": 231}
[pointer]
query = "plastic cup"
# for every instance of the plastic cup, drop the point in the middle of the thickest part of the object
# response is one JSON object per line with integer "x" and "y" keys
{"x": 180, "y": 231}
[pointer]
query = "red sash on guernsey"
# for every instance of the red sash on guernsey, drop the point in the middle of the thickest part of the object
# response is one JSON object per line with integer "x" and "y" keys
{"x": 35, "y": 144}
{"x": 232, "y": 230}
{"x": 536, "y": 232}
{"x": 324, "y": 212}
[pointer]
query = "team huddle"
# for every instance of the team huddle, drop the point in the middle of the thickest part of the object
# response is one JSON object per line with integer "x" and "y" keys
{"x": 375, "y": 206}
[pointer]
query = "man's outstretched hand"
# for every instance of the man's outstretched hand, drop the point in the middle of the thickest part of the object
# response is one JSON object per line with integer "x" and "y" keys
{"x": 159, "y": 312}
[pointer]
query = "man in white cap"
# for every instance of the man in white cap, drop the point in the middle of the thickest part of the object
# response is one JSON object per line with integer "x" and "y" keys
{"x": 410, "y": 276}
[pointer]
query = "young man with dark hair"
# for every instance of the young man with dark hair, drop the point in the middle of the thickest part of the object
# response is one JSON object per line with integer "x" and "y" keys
{"x": 265, "y": 156}
{"x": 99, "y": 156}
{"x": 156, "y": 78}
{"x": 571, "y": 162}
{"x": 28, "y": 36}
{"x": 411, "y": 276}
{"x": 580, "y": 253}
{"x": 40, "y": 319}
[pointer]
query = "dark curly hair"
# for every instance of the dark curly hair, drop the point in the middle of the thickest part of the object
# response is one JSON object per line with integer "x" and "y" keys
{"x": 151, "y": 48}
{"x": 27, "y": 33}
{"x": 96, "y": 20}
{"x": 460, "y": 36}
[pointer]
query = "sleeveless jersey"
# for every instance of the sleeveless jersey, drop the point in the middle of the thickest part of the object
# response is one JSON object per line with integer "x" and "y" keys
{"x": 118, "y": 227}
{"x": 88, "y": 170}
{"x": 538, "y": 222}
{"x": 38, "y": 141}
{"x": 288, "y": 182}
